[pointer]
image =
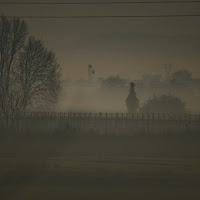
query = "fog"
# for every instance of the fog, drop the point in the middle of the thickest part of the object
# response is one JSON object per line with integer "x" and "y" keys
{"x": 94, "y": 98}
{"x": 99, "y": 155}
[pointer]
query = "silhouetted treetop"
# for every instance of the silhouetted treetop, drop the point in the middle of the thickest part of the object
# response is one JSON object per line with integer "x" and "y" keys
{"x": 164, "y": 104}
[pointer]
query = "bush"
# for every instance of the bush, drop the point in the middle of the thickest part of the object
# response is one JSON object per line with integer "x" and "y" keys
{"x": 164, "y": 104}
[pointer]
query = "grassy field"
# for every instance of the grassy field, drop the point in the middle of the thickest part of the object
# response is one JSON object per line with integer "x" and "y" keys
{"x": 100, "y": 167}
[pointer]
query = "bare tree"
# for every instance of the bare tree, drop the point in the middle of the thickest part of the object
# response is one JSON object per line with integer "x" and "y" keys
{"x": 29, "y": 72}
{"x": 12, "y": 37}
{"x": 38, "y": 73}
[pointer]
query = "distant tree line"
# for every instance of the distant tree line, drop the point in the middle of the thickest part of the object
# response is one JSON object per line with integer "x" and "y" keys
{"x": 113, "y": 81}
{"x": 180, "y": 76}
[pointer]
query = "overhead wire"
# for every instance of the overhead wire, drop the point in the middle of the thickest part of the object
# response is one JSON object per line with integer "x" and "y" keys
{"x": 98, "y": 3}
{"x": 102, "y": 3}
{"x": 104, "y": 16}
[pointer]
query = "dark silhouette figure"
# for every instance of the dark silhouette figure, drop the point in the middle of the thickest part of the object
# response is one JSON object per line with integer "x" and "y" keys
{"x": 132, "y": 101}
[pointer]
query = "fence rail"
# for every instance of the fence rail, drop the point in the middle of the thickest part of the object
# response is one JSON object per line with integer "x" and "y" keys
{"x": 102, "y": 123}
{"x": 139, "y": 116}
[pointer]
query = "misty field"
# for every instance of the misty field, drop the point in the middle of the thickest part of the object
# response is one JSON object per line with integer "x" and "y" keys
{"x": 100, "y": 167}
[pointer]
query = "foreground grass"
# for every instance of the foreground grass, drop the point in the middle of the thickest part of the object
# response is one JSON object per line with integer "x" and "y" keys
{"x": 100, "y": 168}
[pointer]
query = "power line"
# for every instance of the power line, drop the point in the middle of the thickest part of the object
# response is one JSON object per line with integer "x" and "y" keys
{"x": 98, "y": 3}
{"x": 105, "y": 16}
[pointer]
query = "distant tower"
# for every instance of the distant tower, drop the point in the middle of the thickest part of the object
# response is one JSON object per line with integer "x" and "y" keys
{"x": 132, "y": 102}
{"x": 91, "y": 73}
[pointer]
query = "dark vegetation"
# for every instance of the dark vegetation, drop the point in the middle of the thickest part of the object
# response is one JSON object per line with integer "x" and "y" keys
{"x": 113, "y": 81}
{"x": 181, "y": 76}
{"x": 164, "y": 104}
{"x": 29, "y": 72}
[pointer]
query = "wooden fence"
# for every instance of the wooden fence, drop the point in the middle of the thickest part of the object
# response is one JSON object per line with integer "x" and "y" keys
{"x": 102, "y": 123}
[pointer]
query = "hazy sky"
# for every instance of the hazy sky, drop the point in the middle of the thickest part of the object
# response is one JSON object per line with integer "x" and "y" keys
{"x": 129, "y": 47}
